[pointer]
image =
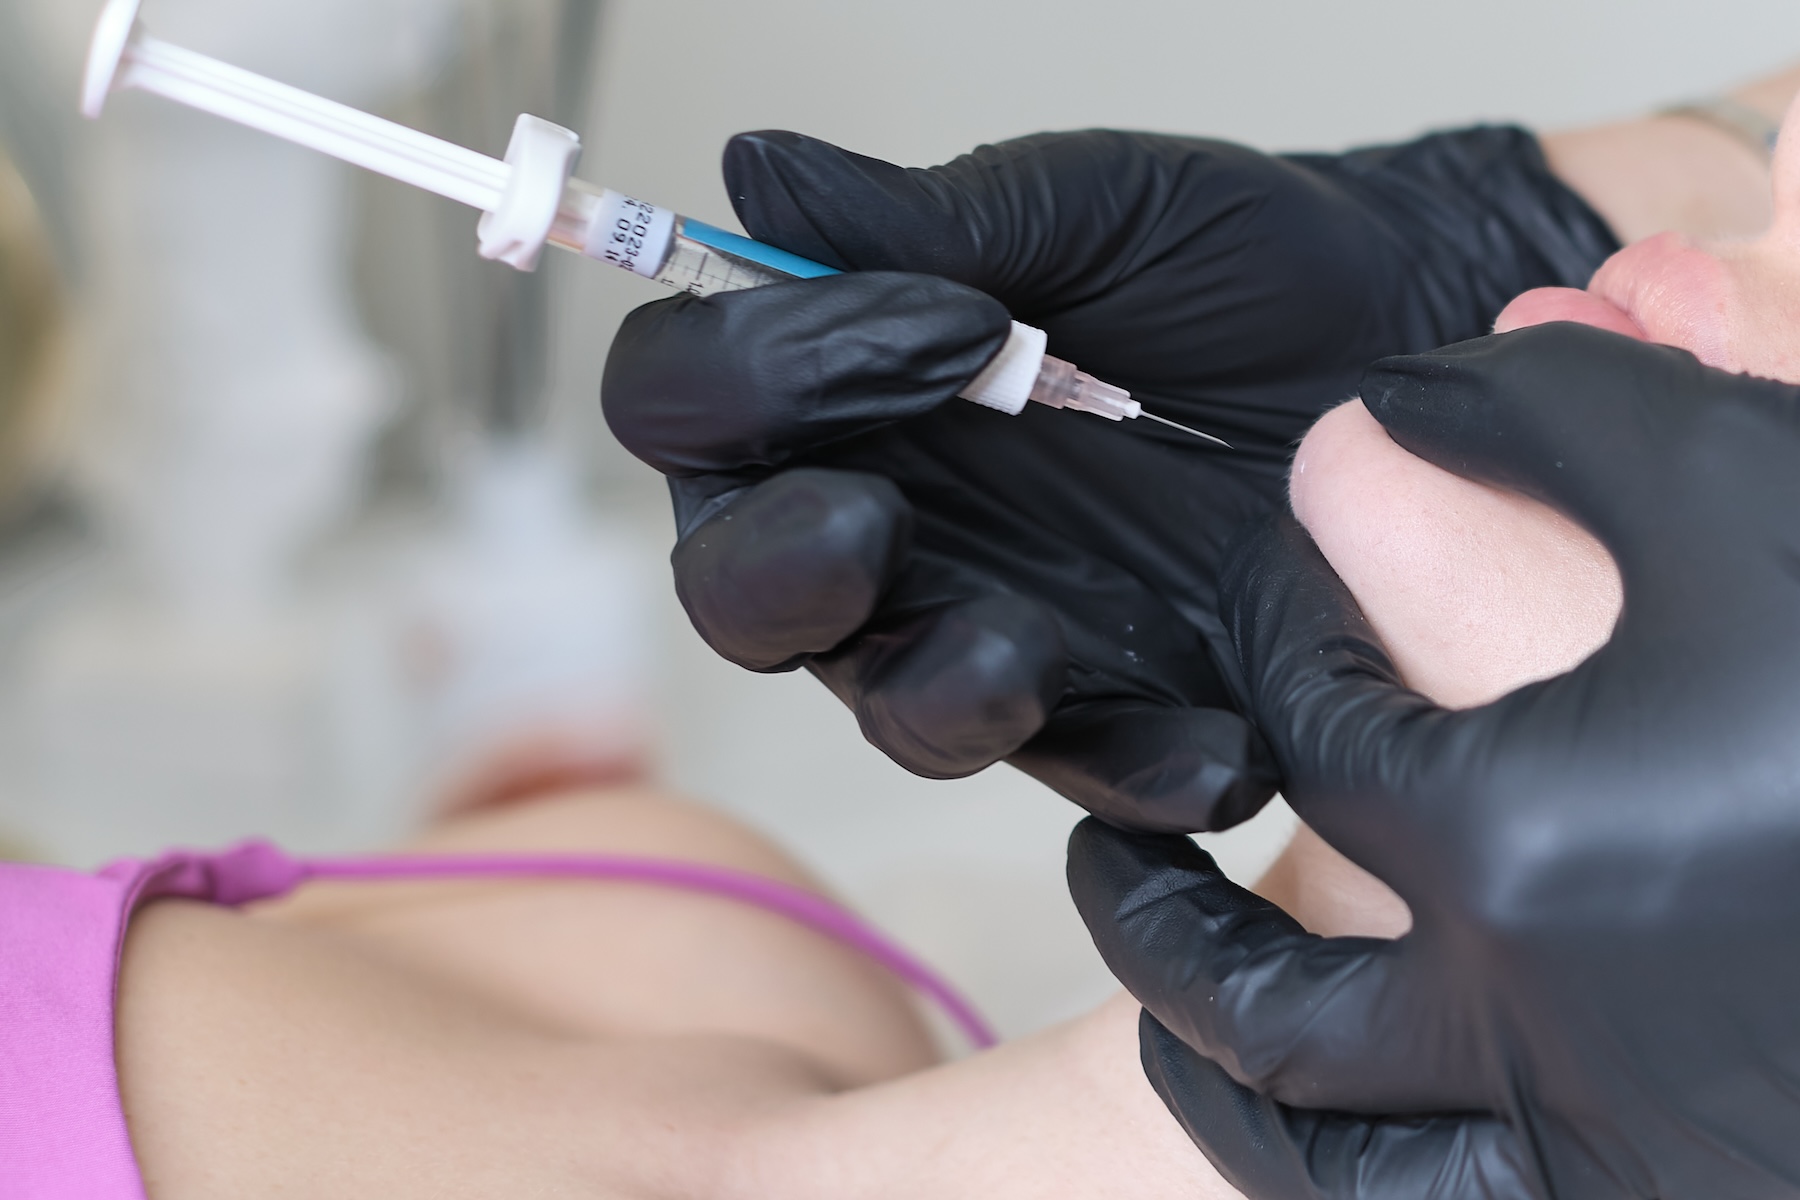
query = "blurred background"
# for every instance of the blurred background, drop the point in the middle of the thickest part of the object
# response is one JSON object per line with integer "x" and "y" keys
{"x": 305, "y": 511}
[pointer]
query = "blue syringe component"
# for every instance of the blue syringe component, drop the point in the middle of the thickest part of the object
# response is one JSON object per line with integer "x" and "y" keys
{"x": 753, "y": 251}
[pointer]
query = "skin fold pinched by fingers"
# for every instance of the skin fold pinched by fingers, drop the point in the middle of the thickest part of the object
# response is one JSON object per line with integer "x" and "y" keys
{"x": 1472, "y": 590}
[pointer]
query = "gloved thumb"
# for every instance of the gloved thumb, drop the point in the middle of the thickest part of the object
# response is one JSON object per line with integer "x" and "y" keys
{"x": 1345, "y": 1023}
{"x": 747, "y": 381}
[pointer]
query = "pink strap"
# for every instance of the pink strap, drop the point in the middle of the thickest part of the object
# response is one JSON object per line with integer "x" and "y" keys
{"x": 796, "y": 904}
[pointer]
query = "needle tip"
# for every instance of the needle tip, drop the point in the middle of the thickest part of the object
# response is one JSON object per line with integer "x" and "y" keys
{"x": 1175, "y": 425}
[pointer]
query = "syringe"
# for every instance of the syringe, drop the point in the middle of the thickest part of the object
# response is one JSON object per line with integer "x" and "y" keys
{"x": 530, "y": 200}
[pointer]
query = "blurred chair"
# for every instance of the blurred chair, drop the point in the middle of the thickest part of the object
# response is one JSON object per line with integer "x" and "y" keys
{"x": 472, "y": 335}
{"x": 32, "y": 329}
{"x": 255, "y": 650}
{"x": 32, "y": 333}
{"x": 38, "y": 262}
{"x": 198, "y": 684}
{"x": 528, "y": 615}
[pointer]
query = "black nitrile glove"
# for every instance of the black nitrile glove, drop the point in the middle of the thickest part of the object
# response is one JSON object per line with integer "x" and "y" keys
{"x": 1041, "y": 588}
{"x": 1600, "y": 994}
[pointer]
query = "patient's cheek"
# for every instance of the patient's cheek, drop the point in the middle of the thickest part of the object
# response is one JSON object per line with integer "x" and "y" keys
{"x": 1474, "y": 591}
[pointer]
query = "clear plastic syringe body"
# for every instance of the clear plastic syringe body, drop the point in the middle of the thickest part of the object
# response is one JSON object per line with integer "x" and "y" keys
{"x": 685, "y": 264}
{"x": 703, "y": 260}
{"x": 530, "y": 199}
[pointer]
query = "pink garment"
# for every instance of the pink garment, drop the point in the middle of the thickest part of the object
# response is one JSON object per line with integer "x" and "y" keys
{"x": 62, "y": 1130}
{"x": 62, "y": 1127}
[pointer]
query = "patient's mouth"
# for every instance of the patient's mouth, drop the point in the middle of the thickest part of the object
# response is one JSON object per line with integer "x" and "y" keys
{"x": 1662, "y": 289}
{"x": 1676, "y": 292}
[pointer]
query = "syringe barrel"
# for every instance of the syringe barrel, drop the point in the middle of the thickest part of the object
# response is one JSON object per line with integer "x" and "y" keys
{"x": 676, "y": 251}
{"x": 703, "y": 260}
{"x": 702, "y": 270}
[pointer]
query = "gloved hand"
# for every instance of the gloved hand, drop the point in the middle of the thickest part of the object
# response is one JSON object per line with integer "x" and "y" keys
{"x": 1041, "y": 588}
{"x": 1600, "y": 995}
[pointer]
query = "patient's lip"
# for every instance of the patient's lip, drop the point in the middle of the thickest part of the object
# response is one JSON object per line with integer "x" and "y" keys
{"x": 1662, "y": 289}
{"x": 1543, "y": 305}
{"x": 1674, "y": 291}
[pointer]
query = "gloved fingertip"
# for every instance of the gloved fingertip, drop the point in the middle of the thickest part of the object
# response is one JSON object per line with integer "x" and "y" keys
{"x": 1428, "y": 396}
{"x": 963, "y": 687}
{"x": 792, "y": 566}
{"x": 849, "y": 210}
{"x": 806, "y": 195}
{"x": 1105, "y": 860}
{"x": 759, "y": 170}
{"x": 1152, "y": 767}
{"x": 755, "y": 155}
{"x": 1240, "y": 1132}
{"x": 1498, "y": 408}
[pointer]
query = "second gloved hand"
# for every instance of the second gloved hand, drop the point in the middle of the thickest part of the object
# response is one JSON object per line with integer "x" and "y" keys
{"x": 1041, "y": 588}
{"x": 1597, "y": 997}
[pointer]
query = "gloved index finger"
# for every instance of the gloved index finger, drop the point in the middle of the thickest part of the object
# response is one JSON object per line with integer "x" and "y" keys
{"x": 1343, "y": 1023}
{"x": 844, "y": 209}
{"x": 1600, "y": 426}
{"x": 746, "y": 381}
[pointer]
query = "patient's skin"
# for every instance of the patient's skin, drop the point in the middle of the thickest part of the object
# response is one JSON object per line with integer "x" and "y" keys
{"x": 555, "y": 1039}
{"x": 492, "y": 1039}
{"x": 1648, "y": 174}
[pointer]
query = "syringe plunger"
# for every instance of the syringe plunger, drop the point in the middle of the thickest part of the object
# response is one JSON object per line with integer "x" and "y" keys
{"x": 530, "y": 200}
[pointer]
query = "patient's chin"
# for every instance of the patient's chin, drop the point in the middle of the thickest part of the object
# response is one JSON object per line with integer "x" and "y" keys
{"x": 1540, "y": 306}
